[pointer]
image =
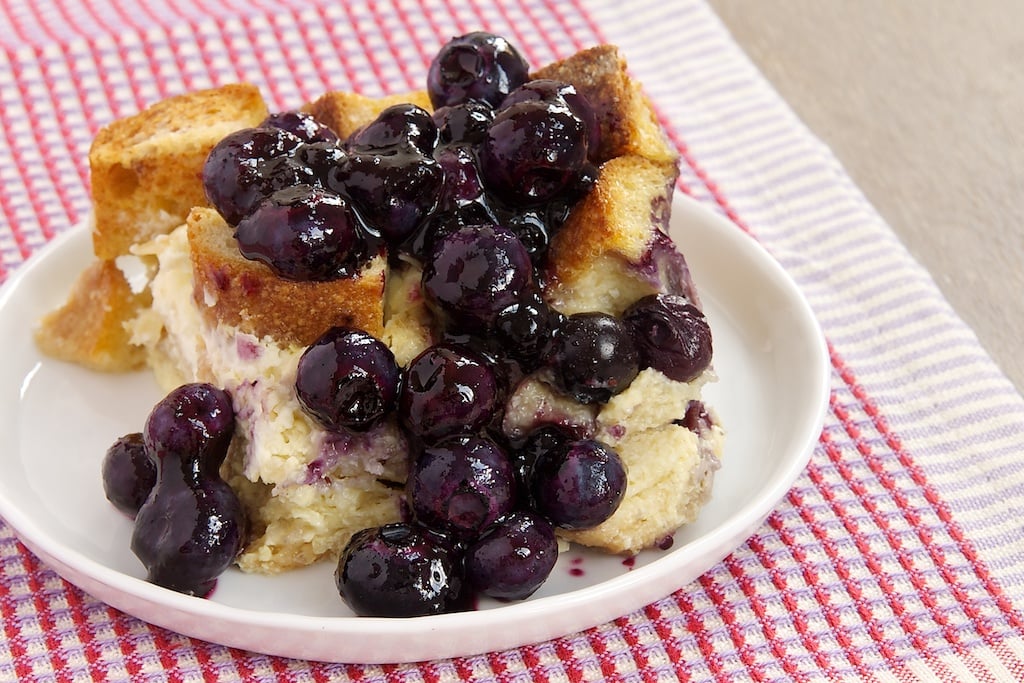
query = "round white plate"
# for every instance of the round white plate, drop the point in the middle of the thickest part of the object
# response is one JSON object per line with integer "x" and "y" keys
{"x": 58, "y": 420}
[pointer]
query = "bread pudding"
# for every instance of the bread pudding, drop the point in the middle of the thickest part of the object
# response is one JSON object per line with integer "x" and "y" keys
{"x": 542, "y": 286}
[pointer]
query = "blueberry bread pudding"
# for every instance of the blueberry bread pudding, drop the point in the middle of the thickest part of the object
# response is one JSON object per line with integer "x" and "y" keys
{"x": 441, "y": 333}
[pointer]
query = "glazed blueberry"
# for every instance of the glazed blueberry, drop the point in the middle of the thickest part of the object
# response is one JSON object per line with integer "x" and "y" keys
{"x": 578, "y": 484}
{"x": 129, "y": 474}
{"x": 531, "y": 227}
{"x": 593, "y": 357}
{"x": 526, "y": 329}
{"x": 399, "y": 128}
{"x": 462, "y": 184}
{"x": 303, "y": 233}
{"x": 192, "y": 525}
{"x": 398, "y": 570}
{"x": 394, "y": 193}
{"x": 464, "y": 123}
{"x": 559, "y": 94}
{"x": 461, "y": 485}
{"x": 347, "y": 379}
{"x": 448, "y": 389}
{"x": 424, "y": 240}
{"x": 538, "y": 442}
{"x": 476, "y": 66}
{"x": 533, "y": 150}
{"x": 193, "y": 419}
{"x": 302, "y": 125}
{"x": 475, "y": 273}
{"x": 513, "y": 558}
{"x": 248, "y": 166}
{"x": 321, "y": 158}
{"x": 671, "y": 334}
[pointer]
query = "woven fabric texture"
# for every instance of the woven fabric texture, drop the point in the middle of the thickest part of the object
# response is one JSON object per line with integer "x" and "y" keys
{"x": 898, "y": 555}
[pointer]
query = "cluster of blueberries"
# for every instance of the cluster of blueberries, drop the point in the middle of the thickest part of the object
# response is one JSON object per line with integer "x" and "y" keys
{"x": 473, "y": 193}
{"x": 189, "y": 524}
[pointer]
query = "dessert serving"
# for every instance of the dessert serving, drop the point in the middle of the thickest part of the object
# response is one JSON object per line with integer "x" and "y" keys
{"x": 428, "y": 337}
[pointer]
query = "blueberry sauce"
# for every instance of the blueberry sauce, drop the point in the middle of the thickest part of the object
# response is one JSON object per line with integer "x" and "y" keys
{"x": 473, "y": 194}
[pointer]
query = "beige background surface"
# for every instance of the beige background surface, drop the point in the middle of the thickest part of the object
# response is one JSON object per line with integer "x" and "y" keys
{"x": 923, "y": 102}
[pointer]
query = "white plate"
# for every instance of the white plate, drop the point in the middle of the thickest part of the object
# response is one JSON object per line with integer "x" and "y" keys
{"x": 58, "y": 420}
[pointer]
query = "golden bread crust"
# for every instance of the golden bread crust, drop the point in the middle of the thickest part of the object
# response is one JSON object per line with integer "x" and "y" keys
{"x": 229, "y": 288}
{"x": 628, "y": 122}
{"x": 147, "y": 168}
{"x": 346, "y": 112}
{"x": 89, "y": 328}
{"x": 614, "y": 224}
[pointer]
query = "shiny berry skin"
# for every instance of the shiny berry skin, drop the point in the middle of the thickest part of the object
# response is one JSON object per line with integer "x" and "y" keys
{"x": 526, "y": 329}
{"x": 347, "y": 379}
{"x": 464, "y": 123}
{"x": 398, "y": 570}
{"x": 533, "y": 151}
{"x": 303, "y": 233}
{"x": 302, "y": 125}
{"x": 476, "y": 66}
{"x": 475, "y": 273}
{"x": 321, "y": 158}
{"x": 541, "y": 440}
{"x": 192, "y": 526}
{"x": 194, "y": 418}
{"x": 559, "y": 94}
{"x": 393, "y": 193}
{"x": 579, "y": 484}
{"x": 448, "y": 389}
{"x": 399, "y": 128}
{"x": 531, "y": 227}
{"x": 594, "y": 357}
{"x": 671, "y": 334}
{"x": 462, "y": 183}
{"x": 128, "y": 473}
{"x": 513, "y": 558}
{"x": 248, "y": 166}
{"x": 461, "y": 485}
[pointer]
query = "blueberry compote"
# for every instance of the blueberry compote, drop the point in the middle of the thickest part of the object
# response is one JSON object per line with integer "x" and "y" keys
{"x": 303, "y": 233}
{"x": 511, "y": 560}
{"x": 347, "y": 379}
{"x": 399, "y": 570}
{"x": 578, "y": 484}
{"x": 448, "y": 389}
{"x": 472, "y": 193}
{"x": 671, "y": 334}
{"x": 478, "y": 66}
{"x": 462, "y": 485}
{"x": 129, "y": 474}
{"x": 192, "y": 525}
{"x": 594, "y": 357}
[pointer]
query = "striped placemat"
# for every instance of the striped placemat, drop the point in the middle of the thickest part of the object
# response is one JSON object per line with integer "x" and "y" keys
{"x": 898, "y": 554}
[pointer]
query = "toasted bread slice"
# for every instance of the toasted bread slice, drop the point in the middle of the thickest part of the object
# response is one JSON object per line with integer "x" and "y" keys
{"x": 147, "y": 168}
{"x": 595, "y": 260}
{"x": 229, "y": 288}
{"x": 628, "y": 122}
{"x": 89, "y": 328}
{"x": 347, "y": 112}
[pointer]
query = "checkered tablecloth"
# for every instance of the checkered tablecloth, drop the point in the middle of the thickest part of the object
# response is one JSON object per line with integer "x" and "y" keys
{"x": 898, "y": 555}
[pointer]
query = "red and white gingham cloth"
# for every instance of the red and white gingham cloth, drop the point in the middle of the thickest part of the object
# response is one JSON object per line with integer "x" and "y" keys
{"x": 898, "y": 555}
